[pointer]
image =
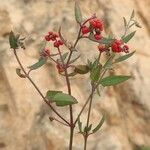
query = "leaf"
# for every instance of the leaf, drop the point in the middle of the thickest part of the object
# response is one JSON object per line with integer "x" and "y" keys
{"x": 50, "y": 94}
{"x": 124, "y": 57}
{"x": 125, "y": 21}
{"x": 61, "y": 99}
{"x": 18, "y": 71}
{"x": 132, "y": 15}
{"x": 113, "y": 80}
{"x": 98, "y": 91}
{"x": 127, "y": 38}
{"x": 87, "y": 129}
{"x": 78, "y": 14}
{"x": 80, "y": 125}
{"x": 64, "y": 56}
{"x": 99, "y": 125}
{"x": 95, "y": 70}
{"x": 13, "y": 41}
{"x": 81, "y": 69}
{"x": 39, "y": 64}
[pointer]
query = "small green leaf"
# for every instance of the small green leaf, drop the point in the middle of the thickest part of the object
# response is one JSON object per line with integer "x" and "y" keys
{"x": 80, "y": 125}
{"x": 99, "y": 125}
{"x": 13, "y": 41}
{"x": 50, "y": 94}
{"x": 39, "y": 64}
{"x": 132, "y": 14}
{"x": 18, "y": 71}
{"x": 127, "y": 38}
{"x": 95, "y": 70}
{"x": 98, "y": 91}
{"x": 124, "y": 57}
{"x": 81, "y": 69}
{"x": 113, "y": 80}
{"x": 125, "y": 21}
{"x": 64, "y": 56}
{"x": 87, "y": 129}
{"x": 61, "y": 99}
{"x": 78, "y": 14}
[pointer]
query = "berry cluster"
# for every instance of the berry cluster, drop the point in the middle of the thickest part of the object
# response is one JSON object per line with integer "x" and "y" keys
{"x": 118, "y": 46}
{"x": 55, "y": 38}
{"x": 95, "y": 27}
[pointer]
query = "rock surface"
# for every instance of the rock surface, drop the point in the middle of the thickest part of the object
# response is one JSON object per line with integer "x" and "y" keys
{"x": 24, "y": 123}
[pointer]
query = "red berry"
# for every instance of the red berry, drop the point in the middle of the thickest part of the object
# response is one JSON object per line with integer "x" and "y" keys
{"x": 101, "y": 48}
{"x": 47, "y": 38}
{"x": 56, "y": 44}
{"x": 85, "y": 30}
{"x": 97, "y": 36}
{"x": 60, "y": 42}
{"x": 50, "y": 33}
{"x": 126, "y": 48}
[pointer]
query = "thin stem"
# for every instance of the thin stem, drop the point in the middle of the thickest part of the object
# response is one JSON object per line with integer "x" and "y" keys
{"x": 35, "y": 86}
{"x": 85, "y": 142}
{"x": 70, "y": 106}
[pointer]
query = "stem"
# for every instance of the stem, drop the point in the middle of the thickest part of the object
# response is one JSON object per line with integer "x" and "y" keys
{"x": 70, "y": 106}
{"x": 52, "y": 118}
{"x": 35, "y": 86}
{"x": 85, "y": 142}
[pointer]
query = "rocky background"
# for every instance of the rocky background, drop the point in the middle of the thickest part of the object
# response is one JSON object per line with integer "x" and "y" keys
{"x": 24, "y": 123}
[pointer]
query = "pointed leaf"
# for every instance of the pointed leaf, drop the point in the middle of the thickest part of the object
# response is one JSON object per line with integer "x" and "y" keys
{"x": 50, "y": 94}
{"x": 13, "y": 41}
{"x": 61, "y": 99}
{"x": 78, "y": 14}
{"x": 99, "y": 125}
{"x": 113, "y": 80}
{"x": 87, "y": 129}
{"x": 124, "y": 57}
{"x": 132, "y": 14}
{"x": 125, "y": 21}
{"x": 80, "y": 125}
{"x": 127, "y": 38}
{"x": 81, "y": 69}
{"x": 39, "y": 64}
{"x": 18, "y": 71}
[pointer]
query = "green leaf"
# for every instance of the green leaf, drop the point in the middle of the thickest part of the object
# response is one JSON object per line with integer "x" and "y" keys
{"x": 78, "y": 14}
{"x": 87, "y": 129}
{"x": 124, "y": 57}
{"x": 99, "y": 125}
{"x": 39, "y": 64}
{"x": 18, "y": 71}
{"x": 64, "y": 56}
{"x": 61, "y": 99}
{"x": 132, "y": 15}
{"x": 98, "y": 91}
{"x": 13, "y": 41}
{"x": 113, "y": 80}
{"x": 50, "y": 94}
{"x": 125, "y": 21}
{"x": 127, "y": 38}
{"x": 81, "y": 69}
{"x": 95, "y": 70}
{"x": 80, "y": 125}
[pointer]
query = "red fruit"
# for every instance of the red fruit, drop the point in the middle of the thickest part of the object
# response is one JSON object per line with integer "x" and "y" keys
{"x": 97, "y": 36}
{"x": 47, "y": 38}
{"x": 60, "y": 68}
{"x": 85, "y": 30}
{"x": 101, "y": 48}
{"x": 50, "y": 33}
{"x": 96, "y": 24}
{"x": 56, "y": 44}
{"x": 60, "y": 42}
{"x": 126, "y": 48}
